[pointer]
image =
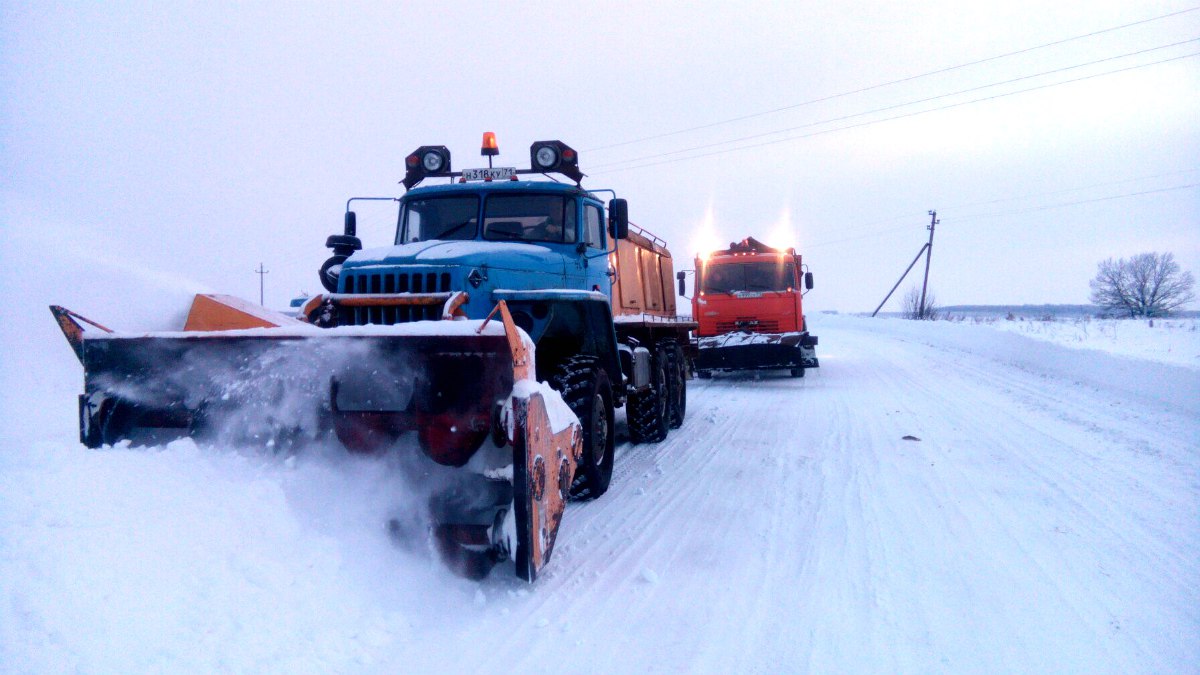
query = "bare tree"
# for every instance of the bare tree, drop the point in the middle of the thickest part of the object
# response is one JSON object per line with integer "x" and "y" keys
{"x": 1147, "y": 284}
{"x": 911, "y": 306}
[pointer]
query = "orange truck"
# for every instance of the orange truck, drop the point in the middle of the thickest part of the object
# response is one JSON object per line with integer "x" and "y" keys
{"x": 748, "y": 303}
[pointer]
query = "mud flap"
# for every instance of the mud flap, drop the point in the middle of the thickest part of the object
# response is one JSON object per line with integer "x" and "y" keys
{"x": 543, "y": 466}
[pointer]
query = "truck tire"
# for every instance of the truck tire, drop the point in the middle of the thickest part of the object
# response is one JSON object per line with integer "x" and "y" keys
{"x": 586, "y": 390}
{"x": 676, "y": 385}
{"x": 648, "y": 413}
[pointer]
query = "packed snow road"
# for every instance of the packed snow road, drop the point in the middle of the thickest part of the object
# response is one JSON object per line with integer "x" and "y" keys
{"x": 1042, "y": 518}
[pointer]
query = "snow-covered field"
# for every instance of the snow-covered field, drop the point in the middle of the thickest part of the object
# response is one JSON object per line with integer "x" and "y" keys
{"x": 1173, "y": 341}
{"x": 1046, "y": 521}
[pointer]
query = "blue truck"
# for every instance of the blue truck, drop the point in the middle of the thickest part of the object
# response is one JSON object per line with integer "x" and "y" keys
{"x": 504, "y": 324}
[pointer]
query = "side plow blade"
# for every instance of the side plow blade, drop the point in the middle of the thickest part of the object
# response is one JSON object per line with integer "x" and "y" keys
{"x": 546, "y": 443}
{"x": 544, "y": 464}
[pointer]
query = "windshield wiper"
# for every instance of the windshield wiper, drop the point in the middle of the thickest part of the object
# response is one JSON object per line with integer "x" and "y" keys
{"x": 446, "y": 233}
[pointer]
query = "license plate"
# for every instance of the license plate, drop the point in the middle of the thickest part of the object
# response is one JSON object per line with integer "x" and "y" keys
{"x": 497, "y": 173}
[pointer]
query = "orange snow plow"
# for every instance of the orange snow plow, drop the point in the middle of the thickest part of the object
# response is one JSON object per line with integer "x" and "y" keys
{"x": 240, "y": 374}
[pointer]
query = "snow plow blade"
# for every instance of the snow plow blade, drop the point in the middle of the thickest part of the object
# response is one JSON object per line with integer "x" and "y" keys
{"x": 464, "y": 387}
{"x": 756, "y": 351}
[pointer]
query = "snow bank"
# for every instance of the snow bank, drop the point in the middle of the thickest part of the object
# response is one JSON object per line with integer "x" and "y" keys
{"x": 1170, "y": 341}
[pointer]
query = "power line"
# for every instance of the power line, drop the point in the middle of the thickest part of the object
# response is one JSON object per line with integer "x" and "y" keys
{"x": 894, "y": 117}
{"x": 907, "y": 227}
{"x": 895, "y": 106}
{"x": 890, "y": 83}
{"x": 871, "y": 233}
{"x": 1074, "y": 189}
{"x": 1075, "y": 203}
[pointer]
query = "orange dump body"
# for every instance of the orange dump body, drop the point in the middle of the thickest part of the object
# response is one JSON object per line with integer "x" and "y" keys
{"x": 645, "y": 275}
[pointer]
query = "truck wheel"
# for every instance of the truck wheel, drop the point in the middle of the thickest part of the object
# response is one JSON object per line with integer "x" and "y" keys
{"x": 797, "y": 372}
{"x": 704, "y": 374}
{"x": 587, "y": 392}
{"x": 676, "y": 385}
{"x": 648, "y": 410}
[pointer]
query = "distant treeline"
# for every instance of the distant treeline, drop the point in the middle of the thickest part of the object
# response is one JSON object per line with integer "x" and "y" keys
{"x": 1040, "y": 311}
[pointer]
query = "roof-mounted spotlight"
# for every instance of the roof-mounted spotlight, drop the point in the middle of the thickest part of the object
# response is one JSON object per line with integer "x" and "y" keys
{"x": 427, "y": 160}
{"x": 555, "y": 157}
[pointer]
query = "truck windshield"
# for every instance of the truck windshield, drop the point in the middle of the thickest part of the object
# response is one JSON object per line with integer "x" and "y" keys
{"x": 755, "y": 277}
{"x": 439, "y": 218}
{"x": 529, "y": 218}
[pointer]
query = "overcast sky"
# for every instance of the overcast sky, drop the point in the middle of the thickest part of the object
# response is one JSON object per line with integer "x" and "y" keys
{"x": 196, "y": 140}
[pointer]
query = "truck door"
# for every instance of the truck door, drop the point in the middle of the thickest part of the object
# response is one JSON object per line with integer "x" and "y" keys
{"x": 593, "y": 260}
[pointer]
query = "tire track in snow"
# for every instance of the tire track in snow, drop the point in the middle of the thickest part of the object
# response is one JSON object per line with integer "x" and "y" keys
{"x": 680, "y": 525}
{"x": 696, "y": 478}
{"x": 597, "y": 585}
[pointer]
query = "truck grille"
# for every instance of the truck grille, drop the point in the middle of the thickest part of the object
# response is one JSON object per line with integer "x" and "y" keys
{"x": 748, "y": 323}
{"x": 393, "y": 282}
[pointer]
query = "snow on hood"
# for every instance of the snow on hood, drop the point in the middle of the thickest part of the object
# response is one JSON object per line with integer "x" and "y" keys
{"x": 448, "y": 252}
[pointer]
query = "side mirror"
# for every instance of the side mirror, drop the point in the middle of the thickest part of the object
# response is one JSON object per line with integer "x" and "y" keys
{"x": 344, "y": 246}
{"x": 618, "y": 218}
{"x": 680, "y": 276}
{"x": 808, "y": 281}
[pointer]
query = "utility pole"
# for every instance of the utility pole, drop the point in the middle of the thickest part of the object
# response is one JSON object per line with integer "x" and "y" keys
{"x": 925, "y": 249}
{"x": 933, "y": 221}
{"x": 262, "y": 275}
